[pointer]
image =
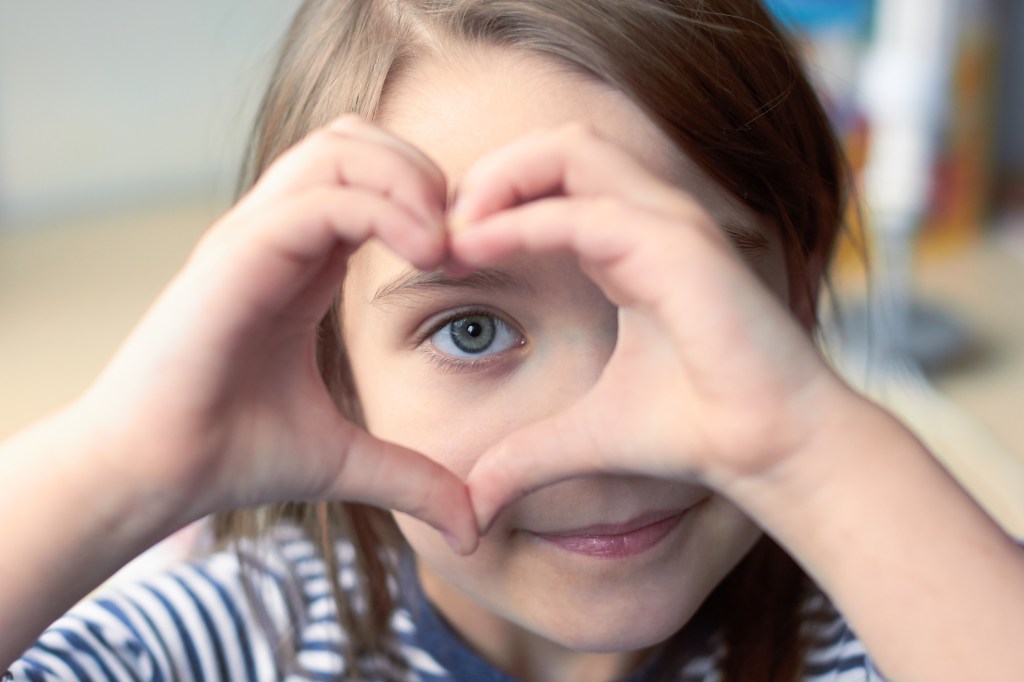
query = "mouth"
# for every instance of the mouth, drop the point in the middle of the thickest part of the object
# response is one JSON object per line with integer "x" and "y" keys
{"x": 616, "y": 541}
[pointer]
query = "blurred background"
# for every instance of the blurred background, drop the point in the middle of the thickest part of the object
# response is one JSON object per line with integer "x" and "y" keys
{"x": 122, "y": 125}
{"x": 927, "y": 317}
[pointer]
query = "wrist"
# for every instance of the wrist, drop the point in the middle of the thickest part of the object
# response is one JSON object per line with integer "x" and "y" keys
{"x": 883, "y": 529}
{"x": 141, "y": 504}
{"x": 838, "y": 443}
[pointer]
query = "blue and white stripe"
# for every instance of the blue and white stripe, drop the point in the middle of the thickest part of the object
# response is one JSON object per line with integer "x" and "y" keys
{"x": 195, "y": 623}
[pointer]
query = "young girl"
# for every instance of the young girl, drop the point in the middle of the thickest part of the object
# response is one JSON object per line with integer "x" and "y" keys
{"x": 578, "y": 247}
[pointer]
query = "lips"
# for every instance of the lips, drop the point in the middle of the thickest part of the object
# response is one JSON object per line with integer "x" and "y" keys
{"x": 616, "y": 541}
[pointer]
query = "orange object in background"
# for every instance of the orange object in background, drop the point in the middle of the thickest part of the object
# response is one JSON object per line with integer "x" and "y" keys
{"x": 851, "y": 259}
{"x": 962, "y": 179}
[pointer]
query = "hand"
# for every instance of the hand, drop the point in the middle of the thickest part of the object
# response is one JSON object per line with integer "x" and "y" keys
{"x": 215, "y": 401}
{"x": 711, "y": 378}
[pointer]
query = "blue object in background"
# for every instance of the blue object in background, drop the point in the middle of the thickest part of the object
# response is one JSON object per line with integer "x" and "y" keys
{"x": 816, "y": 15}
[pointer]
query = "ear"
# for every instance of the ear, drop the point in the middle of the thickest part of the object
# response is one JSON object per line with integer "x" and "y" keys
{"x": 805, "y": 281}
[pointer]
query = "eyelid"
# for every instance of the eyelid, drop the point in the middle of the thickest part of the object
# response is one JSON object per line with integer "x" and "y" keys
{"x": 452, "y": 364}
{"x": 434, "y": 324}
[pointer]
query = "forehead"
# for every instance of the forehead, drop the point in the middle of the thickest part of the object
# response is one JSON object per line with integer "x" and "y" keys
{"x": 458, "y": 106}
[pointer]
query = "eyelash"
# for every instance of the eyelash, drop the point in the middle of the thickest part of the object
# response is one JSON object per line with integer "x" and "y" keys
{"x": 453, "y": 365}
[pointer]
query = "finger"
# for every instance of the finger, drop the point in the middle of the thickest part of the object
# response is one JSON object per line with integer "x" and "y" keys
{"x": 353, "y": 152}
{"x": 628, "y": 251}
{"x": 305, "y": 225}
{"x": 676, "y": 272}
{"x": 391, "y": 477}
{"x": 414, "y": 154}
{"x": 551, "y": 450}
{"x": 291, "y": 257}
{"x": 573, "y": 160}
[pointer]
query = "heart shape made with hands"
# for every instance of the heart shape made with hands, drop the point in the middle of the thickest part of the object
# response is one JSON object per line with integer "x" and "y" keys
{"x": 711, "y": 379}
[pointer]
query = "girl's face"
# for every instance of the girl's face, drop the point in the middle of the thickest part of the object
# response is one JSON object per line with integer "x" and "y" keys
{"x": 450, "y": 367}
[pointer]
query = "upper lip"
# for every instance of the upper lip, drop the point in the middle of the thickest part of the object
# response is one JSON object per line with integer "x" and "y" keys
{"x": 599, "y": 529}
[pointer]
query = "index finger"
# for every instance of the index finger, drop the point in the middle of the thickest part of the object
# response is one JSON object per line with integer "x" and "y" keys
{"x": 573, "y": 160}
{"x": 354, "y": 152}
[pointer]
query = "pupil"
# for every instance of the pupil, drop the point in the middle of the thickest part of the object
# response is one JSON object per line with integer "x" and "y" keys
{"x": 473, "y": 334}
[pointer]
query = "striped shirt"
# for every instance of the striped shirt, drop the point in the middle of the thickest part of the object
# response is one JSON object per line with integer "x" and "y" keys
{"x": 195, "y": 622}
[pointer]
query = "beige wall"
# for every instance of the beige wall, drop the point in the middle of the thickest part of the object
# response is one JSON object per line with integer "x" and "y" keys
{"x": 107, "y": 102}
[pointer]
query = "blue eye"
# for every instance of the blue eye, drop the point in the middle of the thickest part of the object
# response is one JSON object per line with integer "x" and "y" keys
{"x": 475, "y": 335}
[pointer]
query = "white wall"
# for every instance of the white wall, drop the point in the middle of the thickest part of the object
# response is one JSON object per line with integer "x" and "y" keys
{"x": 106, "y": 102}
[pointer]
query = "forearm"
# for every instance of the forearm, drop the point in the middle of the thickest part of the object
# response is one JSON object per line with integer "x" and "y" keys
{"x": 67, "y": 526}
{"x": 929, "y": 582}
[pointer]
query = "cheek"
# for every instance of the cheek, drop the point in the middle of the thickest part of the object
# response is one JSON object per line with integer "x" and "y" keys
{"x": 411, "y": 411}
{"x": 453, "y": 419}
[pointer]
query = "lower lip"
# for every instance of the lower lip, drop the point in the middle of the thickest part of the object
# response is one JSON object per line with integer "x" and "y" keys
{"x": 615, "y": 546}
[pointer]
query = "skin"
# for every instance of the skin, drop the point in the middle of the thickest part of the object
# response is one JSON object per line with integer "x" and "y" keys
{"x": 526, "y": 604}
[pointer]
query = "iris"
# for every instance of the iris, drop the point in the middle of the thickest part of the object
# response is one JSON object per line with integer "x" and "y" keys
{"x": 473, "y": 334}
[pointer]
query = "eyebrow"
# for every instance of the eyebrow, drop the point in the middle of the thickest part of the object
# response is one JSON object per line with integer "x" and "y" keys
{"x": 411, "y": 282}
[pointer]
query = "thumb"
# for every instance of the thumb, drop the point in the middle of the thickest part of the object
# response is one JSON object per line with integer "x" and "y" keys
{"x": 545, "y": 452}
{"x": 390, "y": 476}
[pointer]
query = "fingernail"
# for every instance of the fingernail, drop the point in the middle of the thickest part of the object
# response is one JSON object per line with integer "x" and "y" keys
{"x": 458, "y": 219}
{"x": 453, "y": 542}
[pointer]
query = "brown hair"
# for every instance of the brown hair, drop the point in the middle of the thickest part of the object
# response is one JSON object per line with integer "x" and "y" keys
{"x": 717, "y": 76}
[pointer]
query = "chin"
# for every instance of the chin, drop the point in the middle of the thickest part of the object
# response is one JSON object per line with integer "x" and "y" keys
{"x": 578, "y": 602}
{"x": 623, "y": 624}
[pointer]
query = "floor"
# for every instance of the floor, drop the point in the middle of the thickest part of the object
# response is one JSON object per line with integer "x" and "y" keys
{"x": 69, "y": 292}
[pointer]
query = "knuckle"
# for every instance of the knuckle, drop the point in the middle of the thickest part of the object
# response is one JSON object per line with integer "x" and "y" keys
{"x": 346, "y": 122}
{"x": 317, "y": 147}
{"x": 316, "y": 197}
{"x": 579, "y": 131}
{"x": 320, "y": 138}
